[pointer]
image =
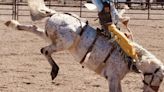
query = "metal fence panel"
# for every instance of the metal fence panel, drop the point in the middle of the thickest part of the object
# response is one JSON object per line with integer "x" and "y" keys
{"x": 17, "y": 7}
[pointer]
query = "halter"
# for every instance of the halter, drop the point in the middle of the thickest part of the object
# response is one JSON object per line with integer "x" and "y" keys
{"x": 155, "y": 88}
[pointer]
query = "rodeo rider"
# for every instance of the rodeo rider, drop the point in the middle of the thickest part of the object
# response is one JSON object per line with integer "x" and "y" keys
{"x": 109, "y": 17}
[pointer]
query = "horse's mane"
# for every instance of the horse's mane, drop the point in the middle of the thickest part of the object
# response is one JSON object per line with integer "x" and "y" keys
{"x": 142, "y": 52}
{"x": 145, "y": 55}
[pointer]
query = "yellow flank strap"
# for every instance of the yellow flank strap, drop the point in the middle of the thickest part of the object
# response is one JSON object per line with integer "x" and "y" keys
{"x": 123, "y": 41}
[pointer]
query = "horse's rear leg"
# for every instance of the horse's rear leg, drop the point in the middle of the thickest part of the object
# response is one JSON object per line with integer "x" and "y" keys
{"x": 29, "y": 28}
{"x": 47, "y": 51}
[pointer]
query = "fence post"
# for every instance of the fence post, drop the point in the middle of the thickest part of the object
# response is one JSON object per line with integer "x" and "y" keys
{"x": 17, "y": 10}
{"x": 49, "y": 3}
{"x": 81, "y": 8}
{"x": 148, "y": 9}
{"x": 14, "y": 12}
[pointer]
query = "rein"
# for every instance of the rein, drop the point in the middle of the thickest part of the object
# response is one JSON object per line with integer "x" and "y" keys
{"x": 155, "y": 88}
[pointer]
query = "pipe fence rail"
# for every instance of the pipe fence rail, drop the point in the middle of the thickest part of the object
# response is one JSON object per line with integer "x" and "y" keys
{"x": 18, "y": 8}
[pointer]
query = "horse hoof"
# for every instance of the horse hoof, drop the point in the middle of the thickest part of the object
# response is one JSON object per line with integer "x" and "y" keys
{"x": 43, "y": 51}
{"x": 54, "y": 72}
{"x": 8, "y": 23}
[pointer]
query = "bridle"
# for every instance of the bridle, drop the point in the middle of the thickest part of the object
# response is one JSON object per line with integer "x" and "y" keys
{"x": 155, "y": 88}
{"x": 149, "y": 84}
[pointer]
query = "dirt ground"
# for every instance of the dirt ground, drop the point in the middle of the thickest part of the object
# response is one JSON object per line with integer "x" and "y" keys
{"x": 24, "y": 69}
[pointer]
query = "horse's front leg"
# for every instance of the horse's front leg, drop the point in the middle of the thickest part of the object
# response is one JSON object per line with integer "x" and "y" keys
{"x": 114, "y": 84}
{"x": 47, "y": 51}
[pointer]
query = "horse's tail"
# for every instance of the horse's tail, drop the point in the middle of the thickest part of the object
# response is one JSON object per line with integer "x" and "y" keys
{"x": 38, "y": 9}
{"x": 29, "y": 28}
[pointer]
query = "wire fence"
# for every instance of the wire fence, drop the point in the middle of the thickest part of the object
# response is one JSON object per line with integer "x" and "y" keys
{"x": 16, "y": 8}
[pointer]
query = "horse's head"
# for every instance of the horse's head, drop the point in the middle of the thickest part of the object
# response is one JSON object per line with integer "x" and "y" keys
{"x": 152, "y": 80}
{"x": 152, "y": 69}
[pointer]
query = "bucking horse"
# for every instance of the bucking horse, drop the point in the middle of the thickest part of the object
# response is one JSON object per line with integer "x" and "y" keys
{"x": 91, "y": 48}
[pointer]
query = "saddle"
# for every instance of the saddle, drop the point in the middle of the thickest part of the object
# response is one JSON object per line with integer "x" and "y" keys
{"x": 121, "y": 38}
{"x": 125, "y": 43}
